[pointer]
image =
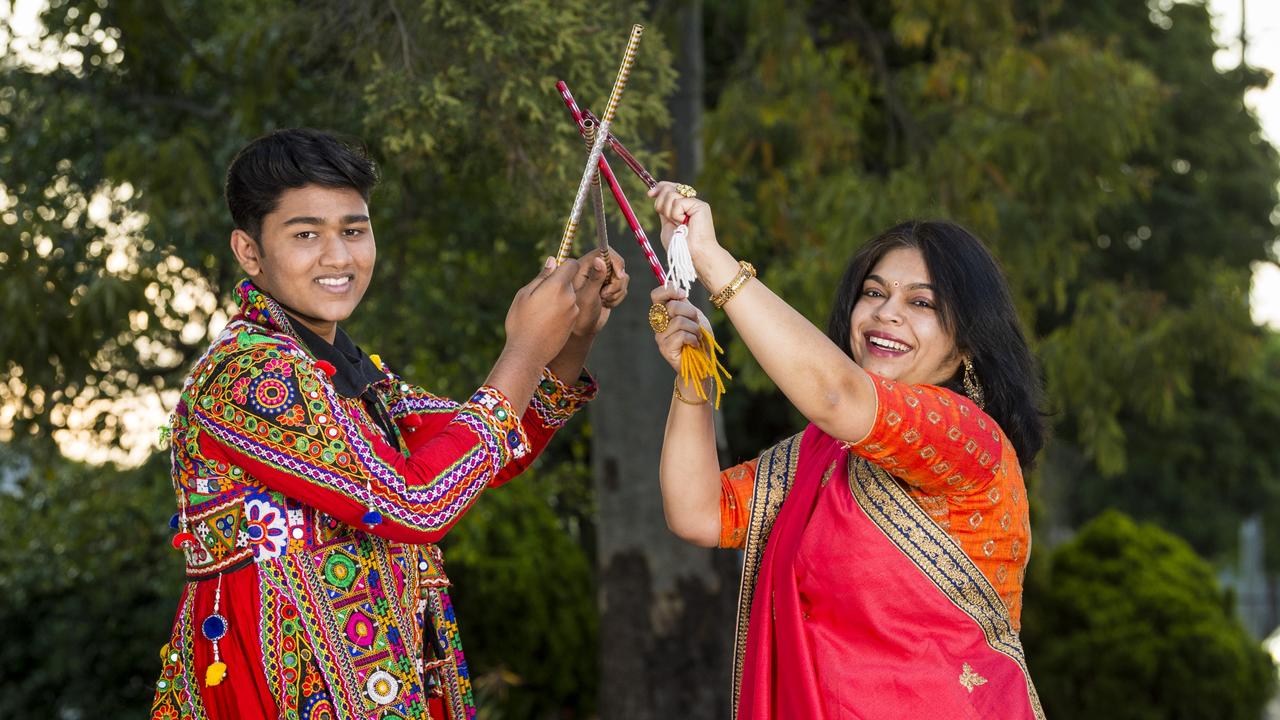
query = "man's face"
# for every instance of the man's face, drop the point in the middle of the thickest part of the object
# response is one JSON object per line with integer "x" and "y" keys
{"x": 315, "y": 254}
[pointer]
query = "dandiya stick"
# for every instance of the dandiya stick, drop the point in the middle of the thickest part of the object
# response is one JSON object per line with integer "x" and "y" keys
{"x": 614, "y": 186}
{"x": 615, "y": 96}
{"x": 621, "y": 151}
{"x": 597, "y": 201}
{"x": 680, "y": 274}
{"x": 697, "y": 362}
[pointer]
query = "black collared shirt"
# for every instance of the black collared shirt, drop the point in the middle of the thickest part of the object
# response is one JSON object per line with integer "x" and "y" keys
{"x": 355, "y": 376}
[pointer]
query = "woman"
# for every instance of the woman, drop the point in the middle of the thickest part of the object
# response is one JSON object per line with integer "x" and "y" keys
{"x": 886, "y": 544}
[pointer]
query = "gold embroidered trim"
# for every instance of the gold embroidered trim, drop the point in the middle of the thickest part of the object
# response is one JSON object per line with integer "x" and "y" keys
{"x": 775, "y": 473}
{"x": 940, "y": 558}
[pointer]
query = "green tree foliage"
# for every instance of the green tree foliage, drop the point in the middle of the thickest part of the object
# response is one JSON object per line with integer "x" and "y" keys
{"x": 1197, "y": 461}
{"x": 1115, "y": 173}
{"x": 455, "y": 100}
{"x": 87, "y": 585}
{"x": 845, "y": 119}
{"x": 1129, "y": 624}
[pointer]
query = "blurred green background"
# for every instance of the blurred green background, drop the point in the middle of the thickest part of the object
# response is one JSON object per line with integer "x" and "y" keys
{"x": 1112, "y": 168}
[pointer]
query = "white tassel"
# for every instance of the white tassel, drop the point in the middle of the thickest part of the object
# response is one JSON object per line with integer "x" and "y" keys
{"x": 680, "y": 263}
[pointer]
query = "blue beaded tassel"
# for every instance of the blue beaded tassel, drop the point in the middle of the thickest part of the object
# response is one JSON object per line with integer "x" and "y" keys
{"x": 372, "y": 517}
{"x": 214, "y": 628}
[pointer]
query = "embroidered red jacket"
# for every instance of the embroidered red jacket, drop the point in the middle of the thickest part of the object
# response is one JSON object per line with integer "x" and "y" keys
{"x": 311, "y": 484}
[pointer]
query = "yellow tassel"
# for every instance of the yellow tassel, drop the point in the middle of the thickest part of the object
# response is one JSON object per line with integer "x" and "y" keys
{"x": 215, "y": 674}
{"x": 700, "y": 362}
{"x": 377, "y": 360}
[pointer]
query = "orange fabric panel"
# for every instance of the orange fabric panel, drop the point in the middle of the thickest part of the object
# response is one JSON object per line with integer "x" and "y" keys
{"x": 737, "y": 484}
{"x": 959, "y": 467}
{"x": 932, "y": 438}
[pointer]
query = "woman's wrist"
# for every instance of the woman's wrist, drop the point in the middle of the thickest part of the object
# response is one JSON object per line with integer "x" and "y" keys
{"x": 716, "y": 268}
{"x": 688, "y": 391}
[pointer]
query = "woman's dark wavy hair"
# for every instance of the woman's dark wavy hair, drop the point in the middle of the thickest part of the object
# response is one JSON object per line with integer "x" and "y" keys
{"x": 285, "y": 159}
{"x": 974, "y": 304}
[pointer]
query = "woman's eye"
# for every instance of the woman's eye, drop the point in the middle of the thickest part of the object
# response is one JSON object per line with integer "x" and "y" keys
{"x": 922, "y": 303}
{"x": 872, "y": 292}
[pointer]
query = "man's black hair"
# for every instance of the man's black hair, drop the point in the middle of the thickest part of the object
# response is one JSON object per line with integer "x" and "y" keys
{"x": 265, "y": 168}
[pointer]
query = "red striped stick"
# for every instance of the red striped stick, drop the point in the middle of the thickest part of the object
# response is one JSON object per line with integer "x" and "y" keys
{"x": 606, "y": 172}
{"x": 629, "y": 159}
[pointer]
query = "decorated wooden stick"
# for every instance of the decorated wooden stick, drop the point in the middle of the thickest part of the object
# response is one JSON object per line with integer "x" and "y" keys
{"x": 597, "y": 202}
{"x": 698, "y": 362}
{"x": 680, "y": 271}
{"x": 637, "y": 230}
{"x": 621, "y": 151}
{"x": 624, "y": 72}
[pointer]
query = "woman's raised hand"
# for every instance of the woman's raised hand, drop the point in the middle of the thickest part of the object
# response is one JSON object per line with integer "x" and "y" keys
{"x": 683, "y": 328}
{"x": 673, "y": 208}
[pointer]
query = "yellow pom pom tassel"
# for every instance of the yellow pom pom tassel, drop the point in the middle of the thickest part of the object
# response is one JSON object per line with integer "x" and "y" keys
{"x": 216, "y": 673}
{"x": 701, "y": 362}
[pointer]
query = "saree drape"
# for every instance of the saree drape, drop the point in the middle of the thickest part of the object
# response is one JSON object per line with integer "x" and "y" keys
{"x": 855, "y": 604}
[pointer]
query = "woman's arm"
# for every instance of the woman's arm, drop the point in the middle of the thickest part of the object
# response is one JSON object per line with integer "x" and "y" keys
{"x": 689, "y": 472}
{"x": 823, "y": 383}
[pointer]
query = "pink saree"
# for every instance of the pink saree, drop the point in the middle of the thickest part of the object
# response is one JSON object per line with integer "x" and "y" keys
{"x": 855, "y": 604}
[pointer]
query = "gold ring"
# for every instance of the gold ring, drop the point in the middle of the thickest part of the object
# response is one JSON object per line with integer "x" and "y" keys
{"x": 686, "y": 190}
{"x": 659, "y": 318}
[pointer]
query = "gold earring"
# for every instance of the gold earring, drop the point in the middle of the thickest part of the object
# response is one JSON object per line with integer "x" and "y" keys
{"x": 972, "y": 387}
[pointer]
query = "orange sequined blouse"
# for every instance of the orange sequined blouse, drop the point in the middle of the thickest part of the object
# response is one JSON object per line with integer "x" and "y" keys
{"x": 953, "y": 460}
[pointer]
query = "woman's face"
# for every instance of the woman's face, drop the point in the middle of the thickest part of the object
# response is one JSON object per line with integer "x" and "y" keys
{"x": 897, "y": 330}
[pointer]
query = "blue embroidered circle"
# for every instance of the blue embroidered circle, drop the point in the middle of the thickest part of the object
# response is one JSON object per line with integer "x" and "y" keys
{"x": 214, "y": 627}
{"x": 269, "y": 395}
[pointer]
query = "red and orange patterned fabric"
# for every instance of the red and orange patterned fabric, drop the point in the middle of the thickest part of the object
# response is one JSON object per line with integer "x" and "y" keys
{"x": 953, "y": 461}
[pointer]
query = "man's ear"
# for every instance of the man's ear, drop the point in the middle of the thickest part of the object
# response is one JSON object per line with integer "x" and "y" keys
{"x": 247, "y": 251}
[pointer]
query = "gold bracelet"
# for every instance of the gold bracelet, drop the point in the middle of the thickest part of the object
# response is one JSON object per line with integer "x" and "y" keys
{"x": 745, "y": 273}
{"x": 675, "y": 393}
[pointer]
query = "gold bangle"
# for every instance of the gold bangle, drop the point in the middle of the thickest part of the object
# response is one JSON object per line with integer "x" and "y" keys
{"x": 745, "y": 272}
{"x": 675, "y": 393}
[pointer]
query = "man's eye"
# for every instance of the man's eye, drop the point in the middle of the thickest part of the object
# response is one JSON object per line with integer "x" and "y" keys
{"x": 352, "y": 232}
{"x": 307, "y": 235}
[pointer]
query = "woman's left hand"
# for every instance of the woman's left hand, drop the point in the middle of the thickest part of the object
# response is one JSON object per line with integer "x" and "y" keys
{"x": 674, "y": 208}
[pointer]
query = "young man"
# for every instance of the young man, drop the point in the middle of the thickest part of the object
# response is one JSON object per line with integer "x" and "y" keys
{"x": 312, "y": 481}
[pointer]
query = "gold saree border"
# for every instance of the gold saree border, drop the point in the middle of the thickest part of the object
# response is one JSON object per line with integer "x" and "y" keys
{"x": 775, "y": 473}
{"x": 940, "y": 558}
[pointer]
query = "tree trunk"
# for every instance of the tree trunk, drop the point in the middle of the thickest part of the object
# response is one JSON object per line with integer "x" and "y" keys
{"x": 666, "y": 607}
